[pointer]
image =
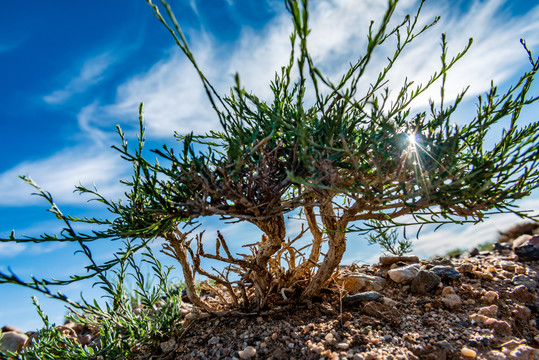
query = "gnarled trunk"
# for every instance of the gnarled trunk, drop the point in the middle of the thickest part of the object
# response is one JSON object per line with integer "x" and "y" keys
{"x": 337, "y": 246}
{"x": 275, "y": 231}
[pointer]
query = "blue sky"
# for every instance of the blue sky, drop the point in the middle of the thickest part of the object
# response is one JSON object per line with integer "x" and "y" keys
{"x": 73, "y": 70}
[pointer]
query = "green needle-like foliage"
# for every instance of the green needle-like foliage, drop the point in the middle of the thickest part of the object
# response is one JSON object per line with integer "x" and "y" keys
{"x": 344, "y": 159}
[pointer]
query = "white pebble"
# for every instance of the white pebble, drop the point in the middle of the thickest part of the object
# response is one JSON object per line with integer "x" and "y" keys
{"x": 248, "y": 352}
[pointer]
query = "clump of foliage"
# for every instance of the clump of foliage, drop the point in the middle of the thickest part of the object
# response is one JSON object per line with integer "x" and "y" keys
{"x": 389, "y": 239}
{"x": 120, "y": 330}
{"x": 339, "y": 157}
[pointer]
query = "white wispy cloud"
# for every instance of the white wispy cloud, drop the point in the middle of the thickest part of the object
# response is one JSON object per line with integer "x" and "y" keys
{"x": 496, "y": 53}
{"x": 452, "y": 237}
{"x": 91, "y": 72}
{"x": 60, "y": 173}
{"x": 11, "y": 249}
{"x": 173, "y": 97}
{"x": 175, "y": 100}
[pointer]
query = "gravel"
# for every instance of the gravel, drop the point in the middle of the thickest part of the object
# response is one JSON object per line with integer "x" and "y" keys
{"x": 482, "y": 314}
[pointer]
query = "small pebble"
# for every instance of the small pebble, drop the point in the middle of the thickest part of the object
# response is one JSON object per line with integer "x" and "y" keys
{"x": 248, "y": 352}
{"x": 490, "y": 297}
{"x": 491, "y": 311}
{"x": 469, "y": 353}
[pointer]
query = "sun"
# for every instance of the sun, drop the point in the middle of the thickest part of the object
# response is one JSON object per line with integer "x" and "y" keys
{"x": 412, "y": 140}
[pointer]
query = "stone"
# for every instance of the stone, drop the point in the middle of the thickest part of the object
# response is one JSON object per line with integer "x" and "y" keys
{"x": 470, "y": 253}
{"x": 405, "y": 274}
{"x": 442, "y": 261}
{"x": 424, "y": 282}
{"x": 465, "y": 268}
{"x": 356, "y": 282}
{"x": 495, "y": 355}
{"x": 360, "y": 298}
{"x": 521, "y": 240}
{"x": 524, "y": 280}
{"x": 446, "y": 272}
{"x": 448, "y": 290}
{"x": 247, "y": 353}
{"x": 518, "y": 350}
{"x": 522, "y": 312}
{"x": 168, "y": 346}
{"x": 329, "y": 338}
{"x": 85, "y": 339}
{"x": 451, "y": 301}
{"x": 508, "y": 266}
{"x": 501, "y": 328}
{"x": 527, "y": 252}
{"x": 390, "y": 260}
{"x": 521, "y": 293}
{"x": 382, "y": 312}
{"x": 389, "y": 301}
{"x": 468, "y": 353}
{"x": 523, "y": 352}
{"x": 490, "y": 311}
{"x": 490, "y": 297}
{"x": 12, "y": 341}
{"x": 480, "y": 319}
{"x": 9, "y": 328}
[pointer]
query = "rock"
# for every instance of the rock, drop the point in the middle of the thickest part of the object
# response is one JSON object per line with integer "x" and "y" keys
{"x": 389, "y": 260}
{"x": 424, "y": 282}
{"x": 12, "y": 341}
{"x": 389, "y": 301}
{"x": 518, "y": 350}
{"x": 356, "y": 282}
{"x": 9, "y": 328}
{"x": 495, "y": 355}
{"x": 523, "y": 352}
{"x": 522, "y": 312}
{"x": 247, "y": 353}
{"x": 168, "y": 346}
{"x": 490, "y": 311}
{"x": 451, "y": 301}
{"x": 448, "y": 290}
{"x": 405, "y": 274}
{"x": 343, "y": 346}
{"x": 501, "y": 328}
{"x": 213, "y": 341}
{"x": 360, "y": 298}
{"x": 508, "y": 266}
{"x": 481, "y": 319}
{"x": 441, "y": 261}
{"x": 515, "y": 231}
{"x": 521, "y": 240}
{"x": 490, "y": 297}
{"x": 445, "y": 272}
{"x": 527, "y": 252}
{"x": 521, "y": 293}
{"x": 524, "y": 280}
{"x": 502, "y": 248}
{"x": 383, "y": 312}
{"x": 470, "y": 253}
{"x": 329, "y": 338}
{"x": 465, "y": 268}
{"x": 468, "y": 353}
{"x": 85, "y": 339}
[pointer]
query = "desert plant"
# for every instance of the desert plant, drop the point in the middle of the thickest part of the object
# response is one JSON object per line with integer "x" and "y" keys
{"x": 389, "y": 239}
{"x": 338, "y": 157}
